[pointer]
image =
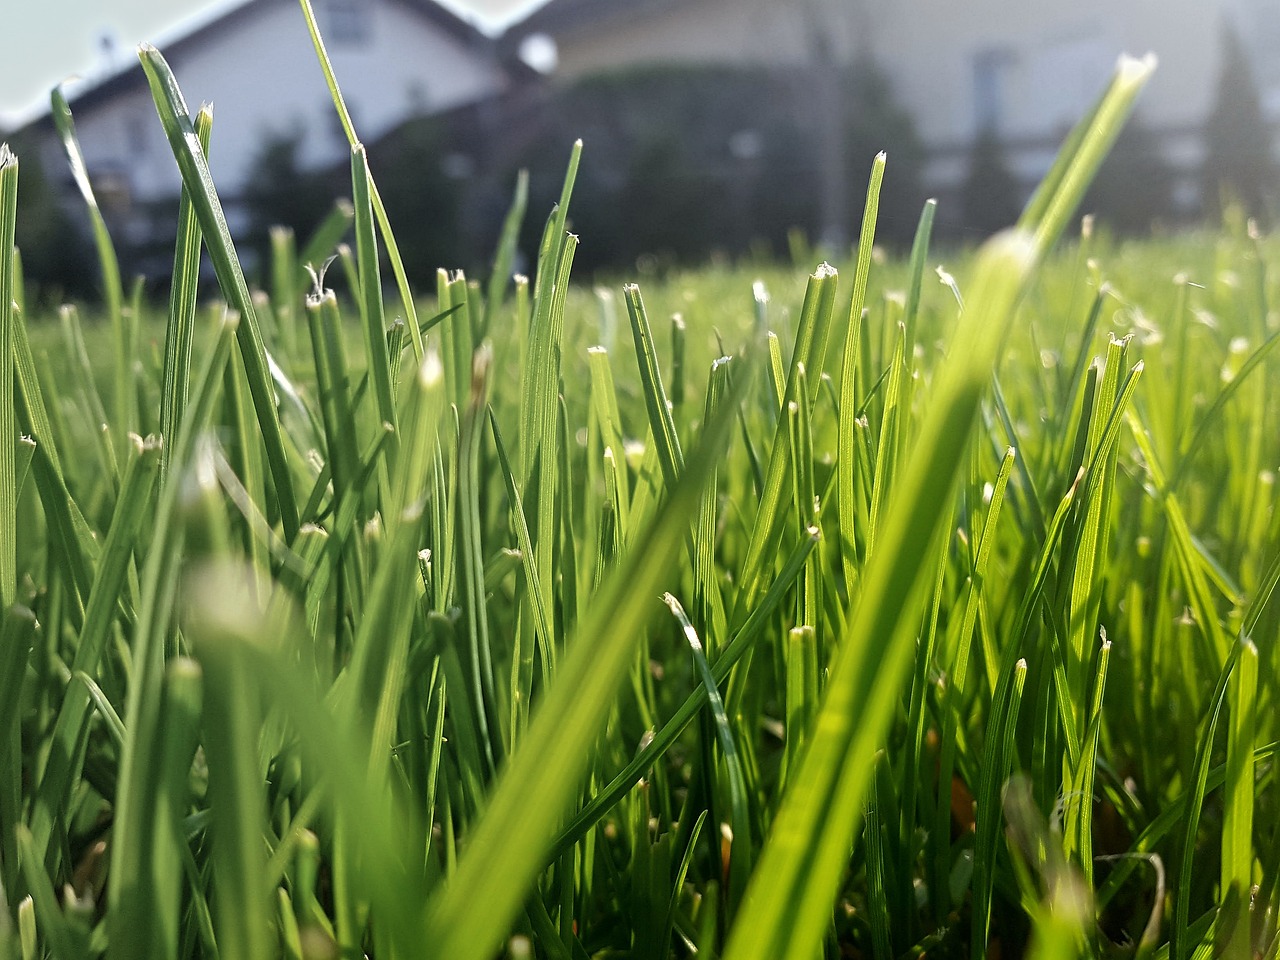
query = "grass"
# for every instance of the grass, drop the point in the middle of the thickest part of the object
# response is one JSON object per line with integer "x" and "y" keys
{"x": 873, "y": 620}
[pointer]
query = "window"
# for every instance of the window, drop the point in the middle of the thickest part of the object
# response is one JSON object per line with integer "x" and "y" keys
{"x": 345, "y": 21}
{"x": 990, "y": 71}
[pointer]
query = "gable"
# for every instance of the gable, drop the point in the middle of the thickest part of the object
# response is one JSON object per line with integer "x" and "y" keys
{"x": 257, "y": 66}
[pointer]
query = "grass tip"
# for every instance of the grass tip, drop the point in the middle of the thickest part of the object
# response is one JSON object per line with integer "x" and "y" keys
{"x": 1136, "y": 69}
{"x": 7, "y": 156}
{"x": 825, "y": 271}
{"x": 431, "y": 373}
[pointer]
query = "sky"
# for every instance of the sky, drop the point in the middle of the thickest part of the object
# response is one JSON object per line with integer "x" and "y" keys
{"x": 47, "y": 41}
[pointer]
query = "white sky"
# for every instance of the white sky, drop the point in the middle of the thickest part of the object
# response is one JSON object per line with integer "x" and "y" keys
{"x": 46, "y": 41}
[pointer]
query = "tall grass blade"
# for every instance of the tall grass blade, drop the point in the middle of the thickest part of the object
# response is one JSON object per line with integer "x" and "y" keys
{"x": 213, "y": 225}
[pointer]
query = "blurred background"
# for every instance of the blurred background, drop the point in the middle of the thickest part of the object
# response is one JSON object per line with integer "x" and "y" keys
{"x": 711, "y": 127}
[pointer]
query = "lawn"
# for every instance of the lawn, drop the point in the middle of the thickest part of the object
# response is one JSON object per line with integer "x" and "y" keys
{"x": 879, "y": 610}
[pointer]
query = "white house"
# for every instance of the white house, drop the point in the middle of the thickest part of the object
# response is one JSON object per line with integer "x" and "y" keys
{"x": 1023, "y": 69}
{"x": 254, "y": 61}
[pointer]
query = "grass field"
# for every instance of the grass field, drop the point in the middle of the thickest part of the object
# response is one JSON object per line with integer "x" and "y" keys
{"x": 885, "y": 612}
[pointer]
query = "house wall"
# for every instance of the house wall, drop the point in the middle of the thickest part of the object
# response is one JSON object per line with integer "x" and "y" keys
{"x": 1026, "y": 68}
{"x": 259, "y": 70}
{"x": 706, "y": 31}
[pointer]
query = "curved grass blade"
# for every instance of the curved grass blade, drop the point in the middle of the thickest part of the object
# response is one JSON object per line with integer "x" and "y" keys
{"x": 808, "y": 848}
{"x": 182, "y": 307}
{"x": 512, "y": 840}
{"x": 213, "y": 225}
{"x": 380, "y": 211}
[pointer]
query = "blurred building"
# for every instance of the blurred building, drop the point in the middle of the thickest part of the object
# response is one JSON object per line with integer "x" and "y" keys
{"x": 979, "y": 84}
{"x": 254, "y": 61}
{"x": 1019, "y": 72}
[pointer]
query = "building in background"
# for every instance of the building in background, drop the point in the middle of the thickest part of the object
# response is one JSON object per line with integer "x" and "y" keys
{"x": 254, "y": 61}
{"x": 1019, "y": 73}
{"x": 714, "y": 120}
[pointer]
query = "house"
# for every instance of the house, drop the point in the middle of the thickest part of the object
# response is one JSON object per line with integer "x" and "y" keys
{"x": 1022, "y": 71}
{"x": 255, "y": 62}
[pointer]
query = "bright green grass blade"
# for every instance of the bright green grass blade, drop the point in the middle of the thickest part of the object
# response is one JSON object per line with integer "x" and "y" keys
{"x": 17, "y": 629}
{"x": 54, "y": 926}
{"x": 183, "y": 291}
{"x": 666, "y": 735}
{"x": 998, "y": 755}
{"x": 133, "y": 509}
{"x": 807, "y": 850}
{"x": 375, "y": 334}
{"x": 376, "y": 672}
{"x": 1180, "y": 934}
{"x": 379, "y": 210}
{"x": 495, "y": 728}
{"x": 324, "y": 323}
{"x": 1078, "y": 783}
{"x": 1240, "y": 788}
{"x": 508, "y": 847}
{"x": 915, "y": 272}
{"x": 131, "y": 923}
{"x": 231, "y": 727}
{"x": 213, "y": 225}
{"x": 125, "y": 413}
{"x": 661, "y": 421}
{"x": 181, "y": 709}
{"x": 604, "y": 401}
{"x": 522, "y": 660}
{"x": 1212, "y": 416}
{"x": 1064, "y": 186}
{"x": 13, "y": 658}
{"x": 846, "y": 461}
{"x": 741, "y": 856}
{"x": 8, "y": 423}
{"x": 504, "y": 257}
{"x": 1199, "y": 597}
{"x": 812, "y": 334}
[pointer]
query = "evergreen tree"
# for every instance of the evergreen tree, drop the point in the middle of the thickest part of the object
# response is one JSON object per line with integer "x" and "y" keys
{"x": 1239, "y": 164}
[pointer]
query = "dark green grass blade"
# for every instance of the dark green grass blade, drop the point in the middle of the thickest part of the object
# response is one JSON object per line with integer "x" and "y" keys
{"x": 666, "y": 735}
{"x": 133, "y": 509}
{"x": 182, "y": 307}
{"x": 125, "y": 411}
{"x": 513, "y": 837}
{"x": 198, "y": 182}
{"x": 807, "y": 849}
{"x": 8, "y": 422}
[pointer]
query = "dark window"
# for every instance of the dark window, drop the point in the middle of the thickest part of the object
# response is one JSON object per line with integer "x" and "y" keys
{"x": 345, "y": 21}
{"x": 990, "y": 70}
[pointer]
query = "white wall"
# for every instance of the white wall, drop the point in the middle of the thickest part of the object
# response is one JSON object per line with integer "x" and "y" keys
{"x": 262, "y": 76}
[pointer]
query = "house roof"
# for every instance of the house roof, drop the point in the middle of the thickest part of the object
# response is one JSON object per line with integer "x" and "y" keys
{"x": 207, "y": 29}
{"x": 557, "y": 15}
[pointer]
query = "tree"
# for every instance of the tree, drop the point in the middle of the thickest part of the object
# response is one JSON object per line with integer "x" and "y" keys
{"x": 56, "y": 255}
{"x": 1238, "y": 162}
{"x": 990, "y": 198}
{"x": 1134, "y": 188}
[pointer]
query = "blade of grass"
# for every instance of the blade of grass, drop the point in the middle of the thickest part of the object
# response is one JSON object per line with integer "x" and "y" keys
{"x": 510, "y": 844}
{"x": 213, "y": 225}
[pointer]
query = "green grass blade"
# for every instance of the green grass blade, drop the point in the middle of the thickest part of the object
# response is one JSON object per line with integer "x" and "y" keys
{"x": 1237, "y": 870}
{"x": 379, "y": 210}
{"x": 213, "y": 225}
{"x": 183, "y": 291}
{"x": 126, "y": 413}
{"x": 741, "y": 856}
{"x": 512, "y": 839}
{"x": 807, "y": 850}
{"x": 375, "y": 333}
{"x": 8, "y": 423}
